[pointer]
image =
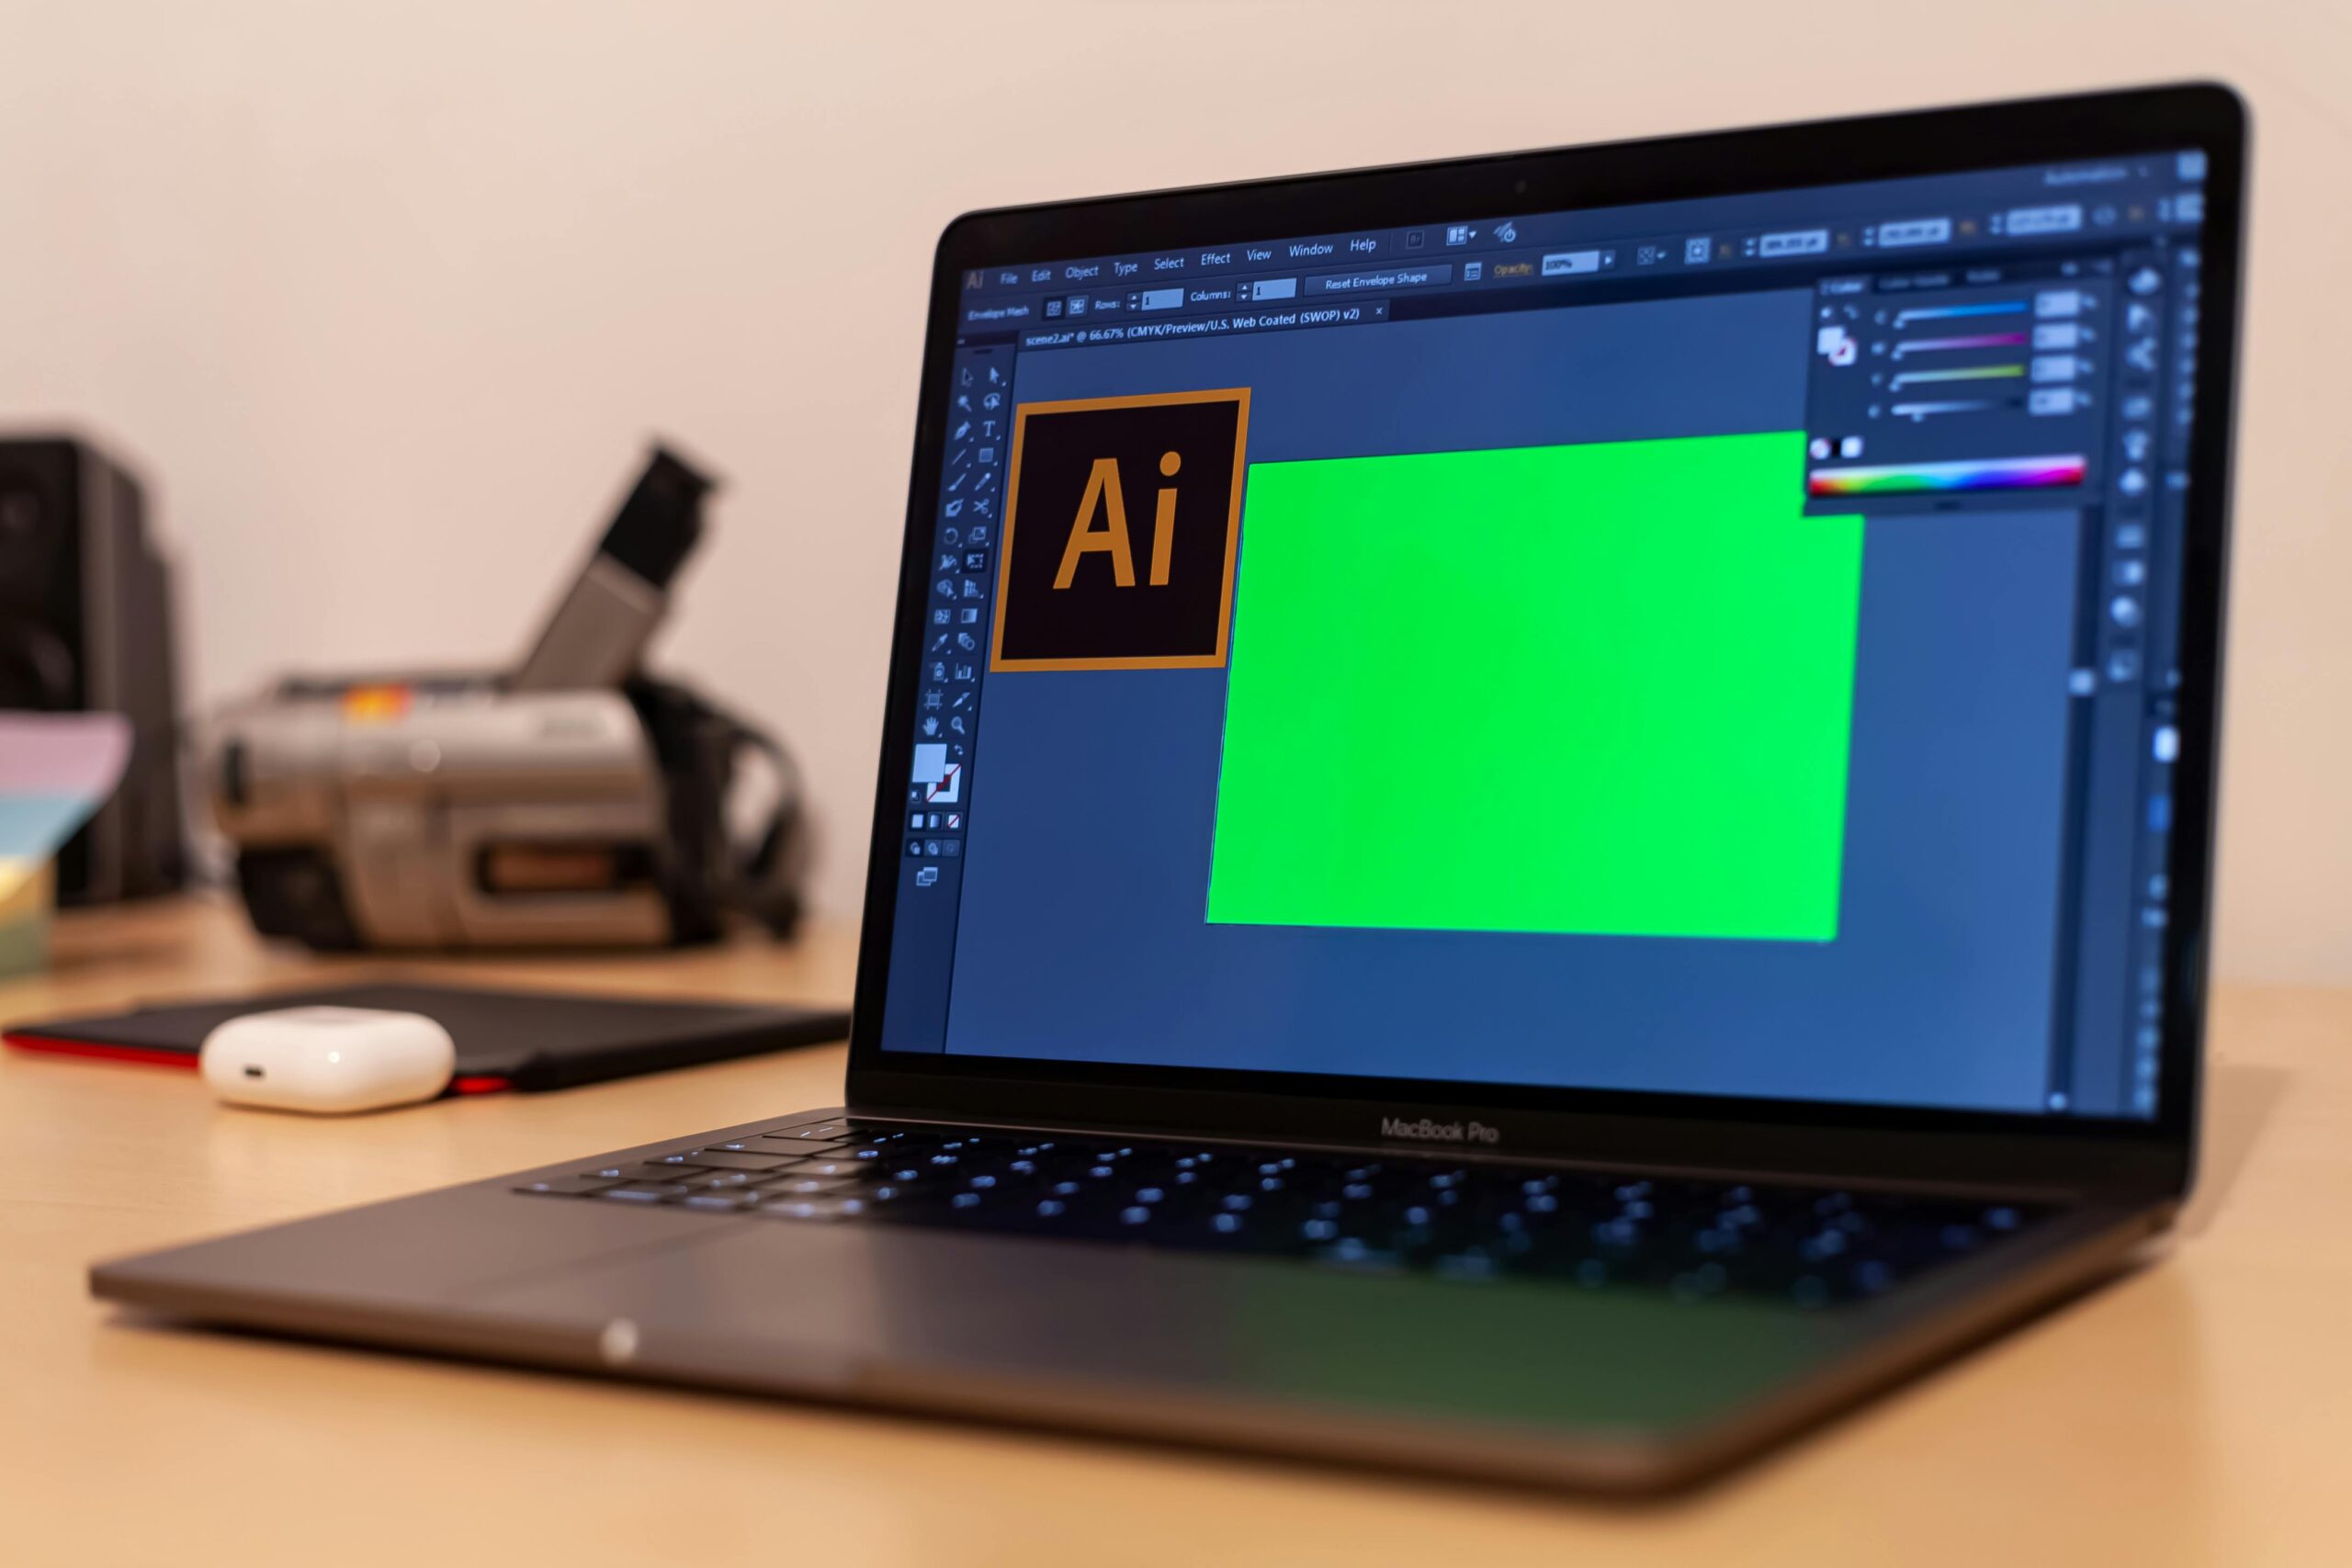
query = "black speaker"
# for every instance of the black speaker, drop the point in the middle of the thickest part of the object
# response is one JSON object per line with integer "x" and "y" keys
{"x": 85, "y": 626}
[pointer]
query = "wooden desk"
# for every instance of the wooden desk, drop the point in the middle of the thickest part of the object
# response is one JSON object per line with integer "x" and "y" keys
{"x": 2200, "y": 1411}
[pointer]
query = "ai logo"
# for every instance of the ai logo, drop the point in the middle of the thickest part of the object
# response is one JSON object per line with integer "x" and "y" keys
{"x": 1120, "y": 522}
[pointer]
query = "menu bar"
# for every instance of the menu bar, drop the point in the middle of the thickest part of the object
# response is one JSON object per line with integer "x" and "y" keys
{"x": 2142, "y": 196}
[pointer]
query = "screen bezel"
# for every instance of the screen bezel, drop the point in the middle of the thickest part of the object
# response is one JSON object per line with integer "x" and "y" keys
{"x": 2145, "y": 1157}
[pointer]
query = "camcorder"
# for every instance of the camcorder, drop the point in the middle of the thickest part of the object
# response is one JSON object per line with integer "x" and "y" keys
{"x": 574, "y": 801}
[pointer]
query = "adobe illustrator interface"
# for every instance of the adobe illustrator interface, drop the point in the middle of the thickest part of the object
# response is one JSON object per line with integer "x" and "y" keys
{"x": 1723, "y": 647}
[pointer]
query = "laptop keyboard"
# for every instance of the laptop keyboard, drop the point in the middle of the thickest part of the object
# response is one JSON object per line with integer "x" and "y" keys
{"x": 1695, "y": 1240}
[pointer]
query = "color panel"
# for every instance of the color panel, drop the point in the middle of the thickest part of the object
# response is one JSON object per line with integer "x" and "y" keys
{"x": 1989, "y": 473}
{"x": 1602, "y": 688}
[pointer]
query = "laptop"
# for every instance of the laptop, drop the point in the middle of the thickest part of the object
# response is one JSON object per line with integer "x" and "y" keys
{"x": 1540, "y": 817}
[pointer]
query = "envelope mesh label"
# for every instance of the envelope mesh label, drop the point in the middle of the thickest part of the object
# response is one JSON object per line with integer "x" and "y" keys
{"x": 1603, "y": 688}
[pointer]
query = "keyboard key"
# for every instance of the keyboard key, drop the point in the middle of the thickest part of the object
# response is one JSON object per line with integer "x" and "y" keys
{"x": 650, "y": 1170}
{"x": 646, "y": 1193}
{"x": 809, "y": 1187}
{"x": 725, "y": 1159}
{"x": 721, "y": 1201}
{"x": 809, "y": 1209}
{"x": 568, "y": 1186}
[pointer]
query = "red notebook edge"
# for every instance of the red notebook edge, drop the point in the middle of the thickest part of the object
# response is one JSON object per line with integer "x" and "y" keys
{"x": 59, "y": 1045}
{"x": 145, "y": 1056}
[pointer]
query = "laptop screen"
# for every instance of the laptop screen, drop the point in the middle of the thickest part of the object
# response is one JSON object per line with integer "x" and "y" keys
{"x": 1725, "y": 647}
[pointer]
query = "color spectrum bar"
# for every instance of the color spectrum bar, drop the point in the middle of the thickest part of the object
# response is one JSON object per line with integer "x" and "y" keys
{"x": 1917, "y": 411}
{"x": 1965, "y": 373}
{"x": 1959, "y": 313}
{"x": 1985, "y": 473}
{"x": 1945, "y": 344}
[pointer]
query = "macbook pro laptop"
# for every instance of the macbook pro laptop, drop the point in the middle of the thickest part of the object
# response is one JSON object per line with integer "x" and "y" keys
{"x": 1541, "y": 815}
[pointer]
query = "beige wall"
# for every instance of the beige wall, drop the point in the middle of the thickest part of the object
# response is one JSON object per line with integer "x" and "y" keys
{"x": 387, "y": 297}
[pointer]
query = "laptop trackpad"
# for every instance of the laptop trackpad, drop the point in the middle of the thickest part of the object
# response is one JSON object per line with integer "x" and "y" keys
{"x": 858, "y": 1309}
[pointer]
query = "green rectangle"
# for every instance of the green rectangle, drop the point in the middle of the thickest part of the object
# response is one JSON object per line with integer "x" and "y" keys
{"x": 1603, "y": 688}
